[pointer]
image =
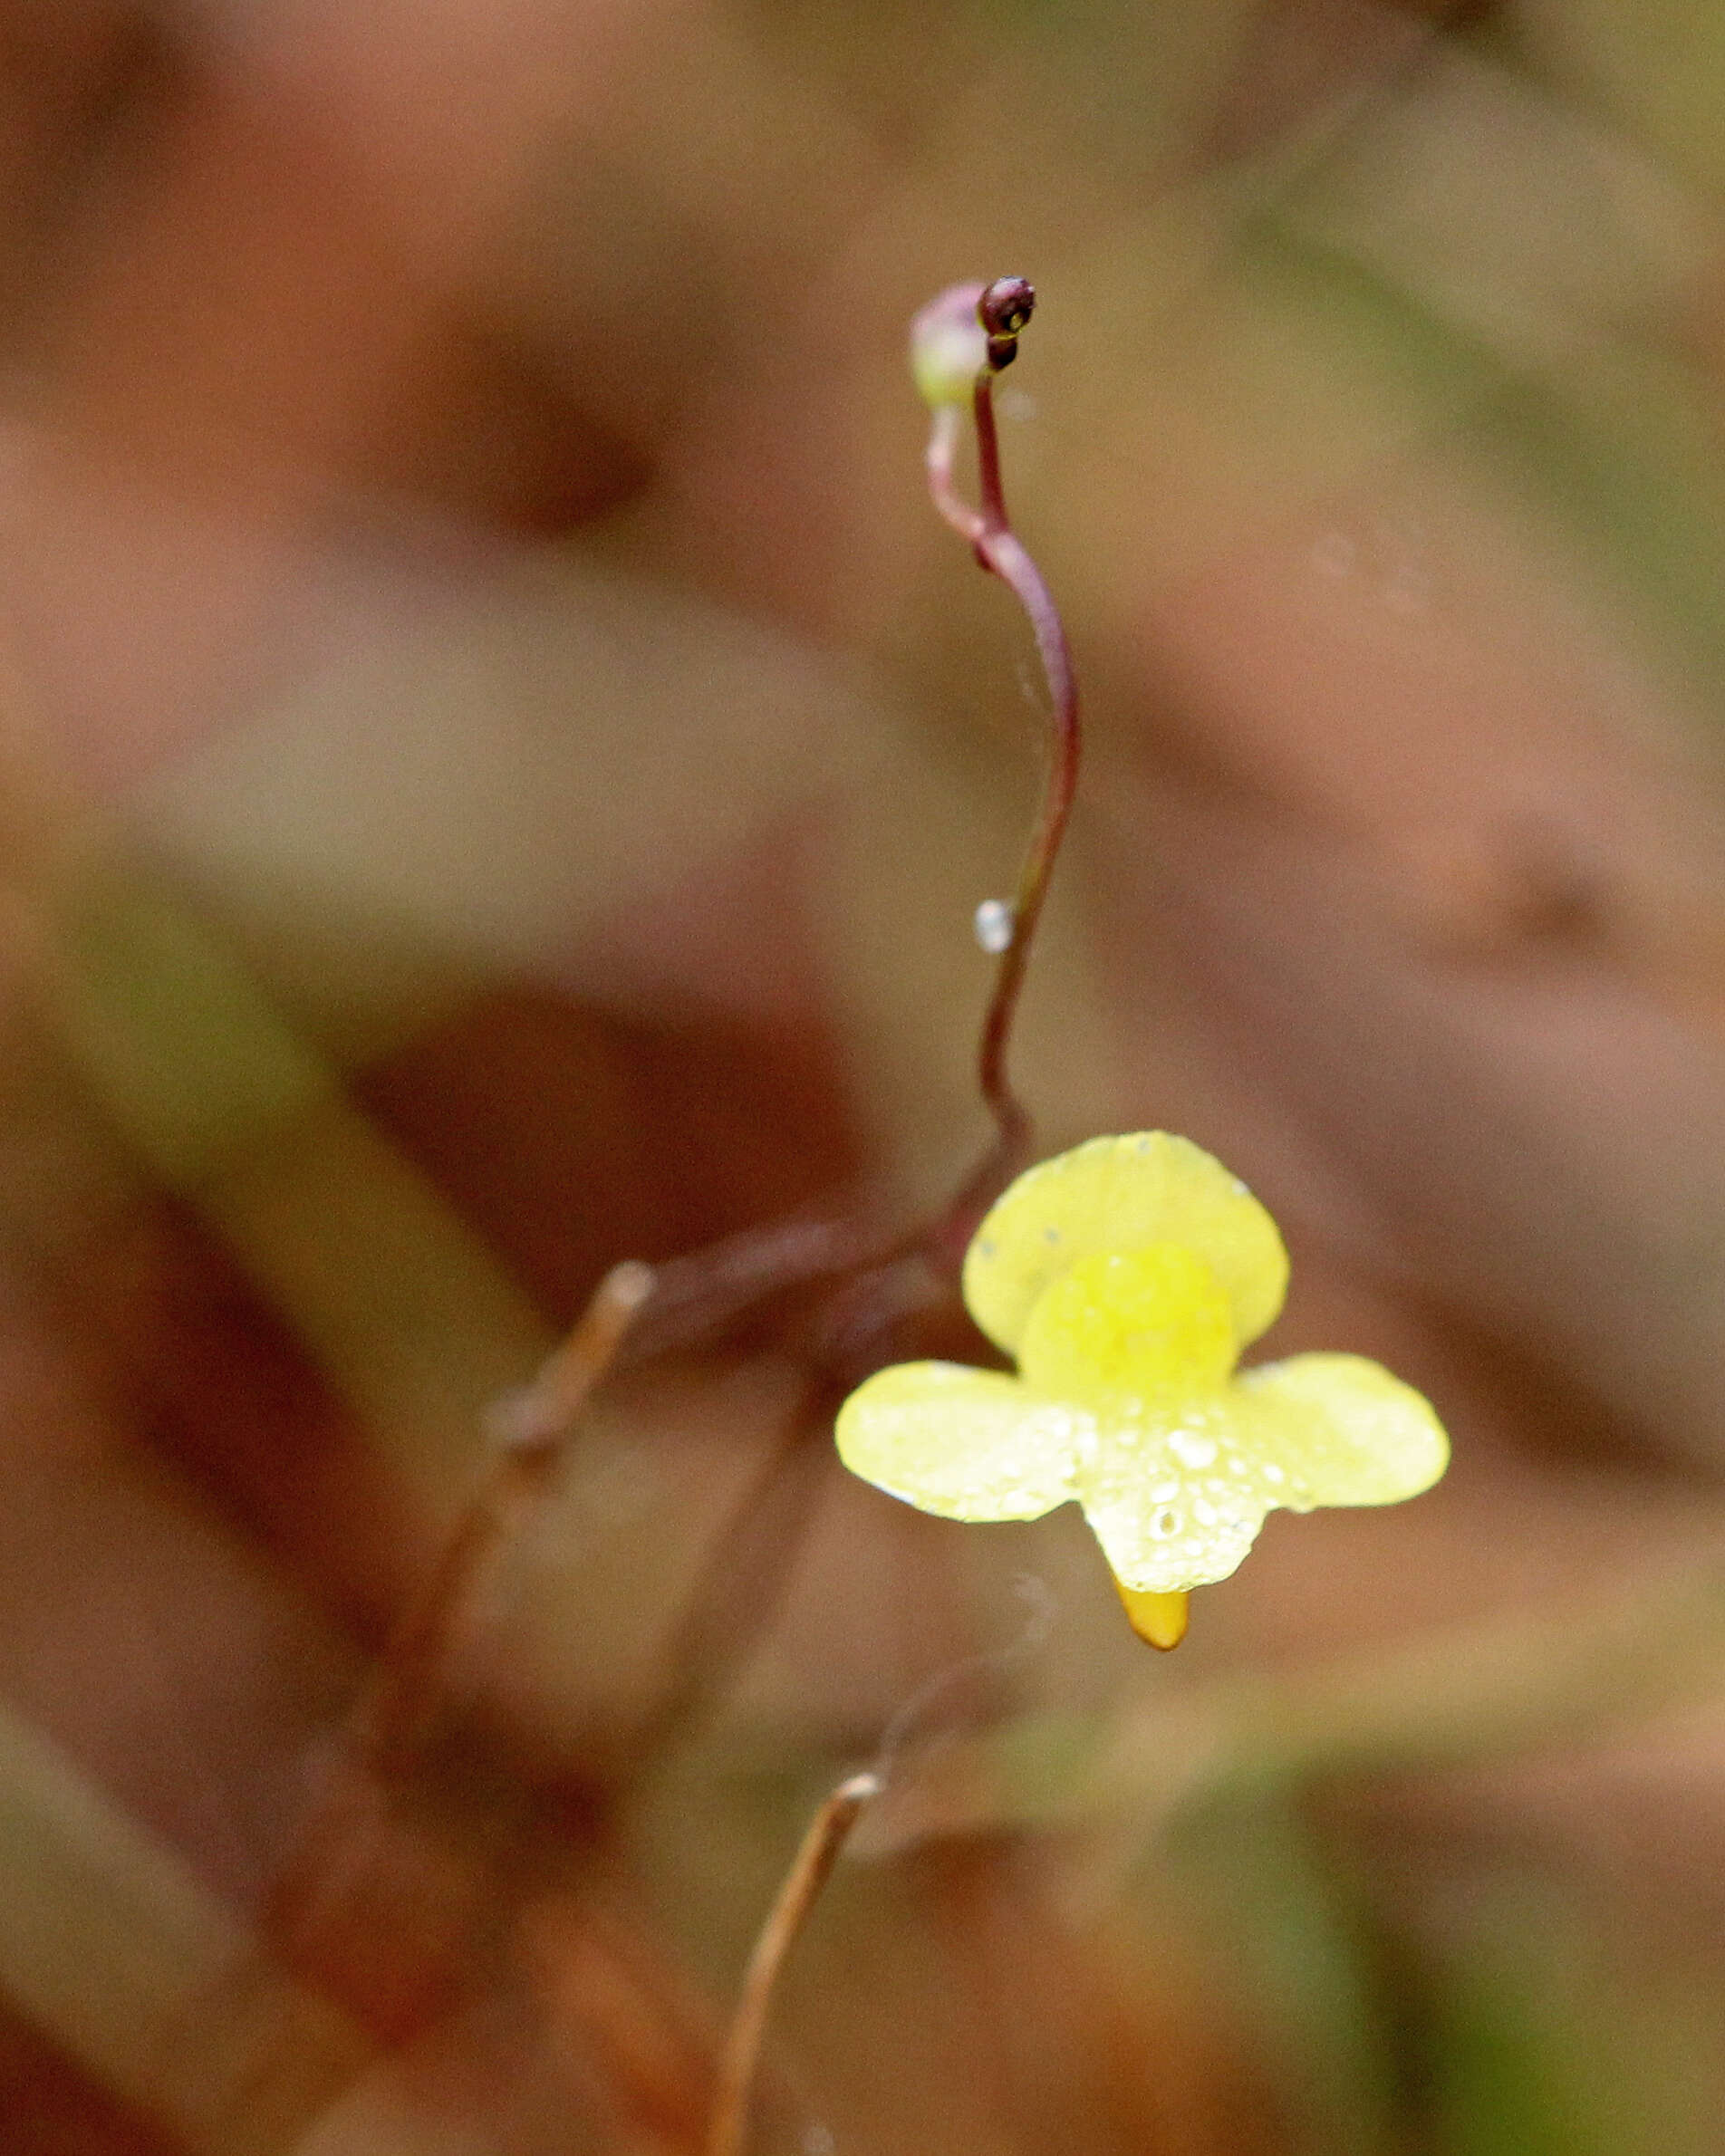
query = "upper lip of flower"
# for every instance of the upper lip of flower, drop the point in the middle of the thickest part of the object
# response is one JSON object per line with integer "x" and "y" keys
{"x": 1123, "y": 1194}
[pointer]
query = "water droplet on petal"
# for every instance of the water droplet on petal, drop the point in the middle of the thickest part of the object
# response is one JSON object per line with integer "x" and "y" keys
{"x": 1190, "y": 1450}
{"x": 1165, "y": 1523}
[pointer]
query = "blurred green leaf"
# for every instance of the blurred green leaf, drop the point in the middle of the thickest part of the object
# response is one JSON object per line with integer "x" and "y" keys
{"x": 1541, "y": 2036}
{"x": 1298, "y": 1944}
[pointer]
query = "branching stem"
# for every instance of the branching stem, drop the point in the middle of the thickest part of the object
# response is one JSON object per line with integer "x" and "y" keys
{"x": 530, "y": 1429}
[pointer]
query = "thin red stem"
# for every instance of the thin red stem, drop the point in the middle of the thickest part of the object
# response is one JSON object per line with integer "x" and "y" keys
{"x": 999, "y": 550}
{"x": 993, "y": 513}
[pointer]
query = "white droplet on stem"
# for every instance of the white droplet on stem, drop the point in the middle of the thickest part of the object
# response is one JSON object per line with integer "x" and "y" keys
{"x": 993, "y": 926}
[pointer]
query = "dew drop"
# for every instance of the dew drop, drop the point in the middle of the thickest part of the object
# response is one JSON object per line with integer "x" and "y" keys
{"x": 1165, "y": 1523}
{"x": 1272, "y": 1473}
{"x": 1205, "y": 1513}
{"x": 993, "y": 926}
{"x": 1190, "y": 1450}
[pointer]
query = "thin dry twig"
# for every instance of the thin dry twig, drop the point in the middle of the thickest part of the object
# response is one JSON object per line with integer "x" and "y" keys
{"x": 532, "y": 1428}
{"x": 810, "y": 1868}
{"x": 544, "y": 1412}
{"x": 742, "y": 1575}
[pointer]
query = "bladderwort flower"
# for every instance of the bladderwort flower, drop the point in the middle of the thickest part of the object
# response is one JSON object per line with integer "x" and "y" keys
{"x": 1124, "y": 1277}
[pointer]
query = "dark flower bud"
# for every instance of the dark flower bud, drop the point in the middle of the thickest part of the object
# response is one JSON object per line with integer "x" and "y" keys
{"x": 1003, "y": 311}
{"x": 1007, "y": 305}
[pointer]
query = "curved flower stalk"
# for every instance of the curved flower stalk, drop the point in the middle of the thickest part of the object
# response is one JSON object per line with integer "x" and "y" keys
{"x": 959, "y": 342}
{"x": 1124, "y": 1277}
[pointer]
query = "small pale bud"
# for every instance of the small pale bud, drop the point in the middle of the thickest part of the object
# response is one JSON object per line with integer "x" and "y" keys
{"x": 948, "y": 346}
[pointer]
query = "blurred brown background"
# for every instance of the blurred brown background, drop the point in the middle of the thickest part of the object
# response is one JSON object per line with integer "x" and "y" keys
{"x": 498, "y": 762}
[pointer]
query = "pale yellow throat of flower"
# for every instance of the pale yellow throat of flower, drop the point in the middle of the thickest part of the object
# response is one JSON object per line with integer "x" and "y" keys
{"x": 1139, "y": 1325}
{"x": 1148, "y": 1324}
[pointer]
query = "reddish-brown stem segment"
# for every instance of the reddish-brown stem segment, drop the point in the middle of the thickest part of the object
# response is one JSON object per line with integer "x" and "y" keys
{"x": 546, "y": 1411}
{"x": 998, "y": 548}
{"x": 530, "y": 1429}
{"x": 815, "y": 1859}
{"x": 992, "y": 516}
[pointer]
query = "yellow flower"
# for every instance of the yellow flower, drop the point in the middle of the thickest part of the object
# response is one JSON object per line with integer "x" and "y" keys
{"x": 1126, "y": 1277}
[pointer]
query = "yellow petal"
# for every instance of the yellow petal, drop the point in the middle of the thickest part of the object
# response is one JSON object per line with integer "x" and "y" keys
{"x": 1176, "y": 1495}
{"x": 1148, "y": 1322}
{"x": 967, "y": 1444}
{"x": 1336, "y": 1430}
{"x": 1174, "y": 1500}
{"x": 1118, "y": 1194}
